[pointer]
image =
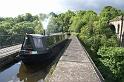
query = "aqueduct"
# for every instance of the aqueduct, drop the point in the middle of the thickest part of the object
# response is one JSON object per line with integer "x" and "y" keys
{"x": 117, "y": 25}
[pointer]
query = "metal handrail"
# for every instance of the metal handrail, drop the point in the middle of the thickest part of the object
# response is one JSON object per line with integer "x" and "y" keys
{"x": 10, "y": 40}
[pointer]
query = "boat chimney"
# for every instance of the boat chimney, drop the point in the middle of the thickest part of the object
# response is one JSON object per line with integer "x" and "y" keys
{"x": 44, "y": 32}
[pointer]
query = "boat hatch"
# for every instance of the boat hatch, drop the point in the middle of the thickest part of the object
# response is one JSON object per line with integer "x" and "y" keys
{"x": 27, "y": 47}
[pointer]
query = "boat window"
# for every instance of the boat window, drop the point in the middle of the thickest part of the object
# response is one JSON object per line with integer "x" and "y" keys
{"x": 38, "y": 42}
{"x": 27, "y": 44}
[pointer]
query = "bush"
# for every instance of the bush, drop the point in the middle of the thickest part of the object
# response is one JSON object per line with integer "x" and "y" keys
{"x": 113, "y": 58}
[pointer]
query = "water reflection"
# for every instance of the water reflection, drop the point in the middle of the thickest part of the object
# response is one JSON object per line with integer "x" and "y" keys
{"x": 32, "y": 73}
{"x": 20, "y": 72}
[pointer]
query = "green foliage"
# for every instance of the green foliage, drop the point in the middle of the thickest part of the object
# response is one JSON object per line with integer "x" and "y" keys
{"x": 5, "y": 27}
{"x": 76, "y": 25}
{"x": 20, "y": 25}
{"x": 37, "y": 27}
{"x": 23, "y": 28}
{"x": 12, "y": 30}
{"x": 54, "y": 25}
{"x": 96, "y": 32}
{"x": 81, "y": 19}
{"x": 109, "y": 12}
{"x": 113, "y": 58}
{"x": 60, "y": 22}
{"x": 96, "y": 35}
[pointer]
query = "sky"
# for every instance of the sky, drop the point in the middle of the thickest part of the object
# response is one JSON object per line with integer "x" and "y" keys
{"x": 12, "y": 8}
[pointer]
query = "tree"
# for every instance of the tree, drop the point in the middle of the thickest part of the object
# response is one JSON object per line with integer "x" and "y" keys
{"x": 81, "y": 19}
{"x": 109, "y": 13}
{"x": 5, "y": 27}
{"x": 20, "y": 18}
{"x": 60, "y": 22}
{"x": 23, "y": 28}
{"x": 28, "y": 17}
{"x": 38, "y": 28}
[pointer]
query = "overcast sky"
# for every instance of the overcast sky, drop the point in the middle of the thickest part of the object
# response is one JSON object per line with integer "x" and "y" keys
{"x": 15, "y": 7}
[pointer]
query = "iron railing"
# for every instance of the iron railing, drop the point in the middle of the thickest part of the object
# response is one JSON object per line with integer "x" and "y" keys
{"x": 10, "y": 40}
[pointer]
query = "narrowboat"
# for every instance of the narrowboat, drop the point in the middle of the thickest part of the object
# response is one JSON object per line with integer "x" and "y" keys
{"x": 39, "y": 48}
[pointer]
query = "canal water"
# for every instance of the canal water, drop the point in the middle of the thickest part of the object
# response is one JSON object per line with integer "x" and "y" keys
{"x": 19, "y": 72}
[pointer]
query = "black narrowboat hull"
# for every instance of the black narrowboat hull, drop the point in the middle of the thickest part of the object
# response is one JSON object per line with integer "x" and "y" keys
{"x": 45, "y": 57}
{"x": 35, "y": 58}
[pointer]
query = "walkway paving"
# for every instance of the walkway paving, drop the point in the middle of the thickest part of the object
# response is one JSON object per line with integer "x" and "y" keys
{"x": 9, "y": 50}
{"x": 74, "y": 65}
